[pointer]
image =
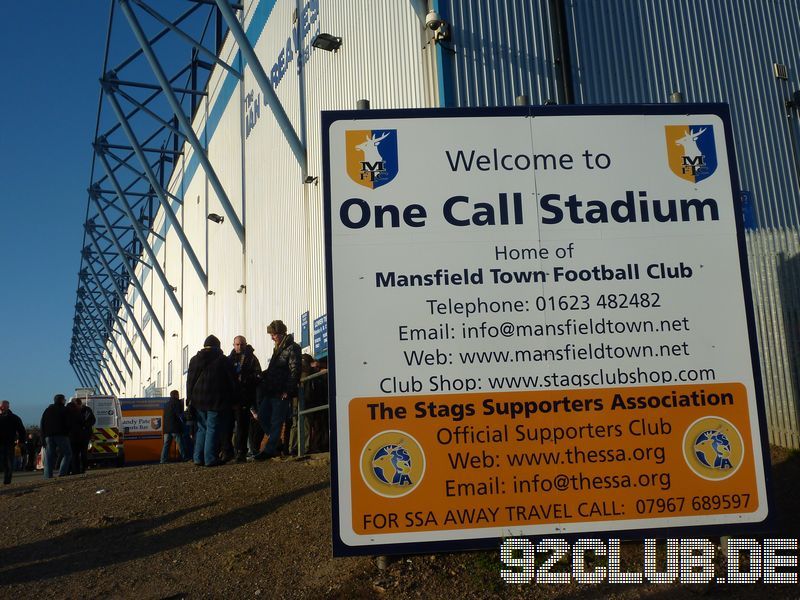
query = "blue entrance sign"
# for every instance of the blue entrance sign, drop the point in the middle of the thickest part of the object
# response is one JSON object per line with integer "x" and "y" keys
{"x": 304, "y": 334}
{"x": 321, "y": 336}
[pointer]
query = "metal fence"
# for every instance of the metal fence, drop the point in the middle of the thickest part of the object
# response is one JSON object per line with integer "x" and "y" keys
{"x": 302, "y": 411}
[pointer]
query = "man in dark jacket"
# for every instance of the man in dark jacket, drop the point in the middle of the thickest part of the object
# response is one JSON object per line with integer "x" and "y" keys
{"x": 74, "y": 434}
{"x": 88, "y": 421}
{"x": 248, "y": 372}
{"x": 210, "y": 386}
{"x": 55, "y": 429}
{"x": 12, "y": 431}
{"x": 278, "y": 386}
{"x": 81, "y": 421}
{"x": 173, "y": 426}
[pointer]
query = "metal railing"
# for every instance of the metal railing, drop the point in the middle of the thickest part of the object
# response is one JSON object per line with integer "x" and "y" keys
{"x": 302, "y": 411}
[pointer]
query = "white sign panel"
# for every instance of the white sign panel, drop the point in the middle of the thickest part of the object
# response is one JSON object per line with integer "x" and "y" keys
{"x": 141, "y": 424}
{"x": 104, "y": 409}
{"x": 539, "y": 323}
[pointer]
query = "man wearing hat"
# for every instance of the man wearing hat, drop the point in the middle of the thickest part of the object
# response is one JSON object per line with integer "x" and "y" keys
{"x": 210, "y": 386}
{"x": 278, "y": 386}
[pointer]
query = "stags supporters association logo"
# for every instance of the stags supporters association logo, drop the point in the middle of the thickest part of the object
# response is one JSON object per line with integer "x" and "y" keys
{"x": 392, "y": 464}
{"x": 371, "y": 156}
{"x": 713, "y": 448}
{"x": 691, "y": 151}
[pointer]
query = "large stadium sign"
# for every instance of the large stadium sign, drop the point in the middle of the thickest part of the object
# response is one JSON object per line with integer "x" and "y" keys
{"x": 539, "y": 324}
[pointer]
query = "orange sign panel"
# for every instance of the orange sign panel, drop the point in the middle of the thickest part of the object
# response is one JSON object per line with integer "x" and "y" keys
{"x": 533, "y": 458}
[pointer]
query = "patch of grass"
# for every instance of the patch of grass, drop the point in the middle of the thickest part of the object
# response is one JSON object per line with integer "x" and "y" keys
{"x": 484, "y": 570}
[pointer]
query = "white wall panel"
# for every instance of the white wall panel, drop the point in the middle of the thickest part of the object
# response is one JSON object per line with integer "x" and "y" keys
{"x": 225, "y": 249}
{"x": 276, "y": 272}
{"x": 173, "y": 268}
{"x": 385, "y": 58}
{"x": 194, "y": 296}
{"x": 158, "y": 298}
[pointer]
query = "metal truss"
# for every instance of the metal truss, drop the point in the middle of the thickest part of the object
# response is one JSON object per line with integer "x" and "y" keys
{"x": 151, "y": 86}
{"x": 155, "y": 76}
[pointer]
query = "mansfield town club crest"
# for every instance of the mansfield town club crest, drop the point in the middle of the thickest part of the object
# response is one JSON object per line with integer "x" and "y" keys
{"x": 691, "y": 151}
{"x": 372, "y": 156}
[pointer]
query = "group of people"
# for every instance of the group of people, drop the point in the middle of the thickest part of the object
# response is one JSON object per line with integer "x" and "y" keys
{"x": 67, "y": 430}
{"x": 233, "y": 405}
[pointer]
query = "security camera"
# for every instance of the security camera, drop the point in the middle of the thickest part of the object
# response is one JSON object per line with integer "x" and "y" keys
{"x": 433, "y": 21}
{"x": 439, "y": 27}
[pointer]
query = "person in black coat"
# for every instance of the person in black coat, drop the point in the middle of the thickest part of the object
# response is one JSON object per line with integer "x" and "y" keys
{"x": 12, "y": 432}
{"x": 173, "y": 426}
{"x": 55, "y": 429}
{"x": 74, "y": 433}
{"x": 279, "y": 384}
{"x": 248, "y": 373}
{"x": 210, "y": 387}
{"x": 81, "y": 421}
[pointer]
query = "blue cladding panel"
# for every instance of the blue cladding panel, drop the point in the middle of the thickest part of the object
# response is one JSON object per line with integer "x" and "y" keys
{"x": 501, "y": 49}
{"x": 712, "y": 51}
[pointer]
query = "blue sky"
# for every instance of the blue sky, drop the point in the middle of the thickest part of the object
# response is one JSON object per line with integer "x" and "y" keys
{"x": 53, "y": 53}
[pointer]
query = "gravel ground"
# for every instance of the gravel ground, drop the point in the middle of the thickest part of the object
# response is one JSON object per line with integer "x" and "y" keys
{"x": 260, "y": 530}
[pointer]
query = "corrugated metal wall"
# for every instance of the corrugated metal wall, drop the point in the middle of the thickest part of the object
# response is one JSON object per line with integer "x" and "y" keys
{"x": 273, "y": 187}
{"x": 712, "y": 51}
{"x": 384, "y": 41}
{"x": 225, "y": 258}
{"x": 720, "y": 51}
{"x": 774, "y": 259}
{"x": 499, "y": 50}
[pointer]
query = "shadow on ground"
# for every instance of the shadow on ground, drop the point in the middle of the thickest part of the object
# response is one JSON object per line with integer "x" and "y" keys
{"x": 88, "y": 548}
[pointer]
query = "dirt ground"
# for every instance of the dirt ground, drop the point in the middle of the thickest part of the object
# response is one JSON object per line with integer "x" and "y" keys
{"x": 262, "y": 530}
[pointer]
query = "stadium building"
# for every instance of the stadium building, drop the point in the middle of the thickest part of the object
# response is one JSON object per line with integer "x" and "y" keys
{"x": 204, "y": 211}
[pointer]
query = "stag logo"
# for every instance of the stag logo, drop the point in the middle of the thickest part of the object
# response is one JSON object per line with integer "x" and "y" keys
{"x": 691, "y": 152}
{"x": 372, "y": 156}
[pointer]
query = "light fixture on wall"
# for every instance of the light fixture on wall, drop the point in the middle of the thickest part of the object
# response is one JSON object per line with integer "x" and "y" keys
{"x": 242, "y": 288}
{"x": 327, "y": 42}
{"x": 311, "y": 179}
{"x": 215, "y": 218}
